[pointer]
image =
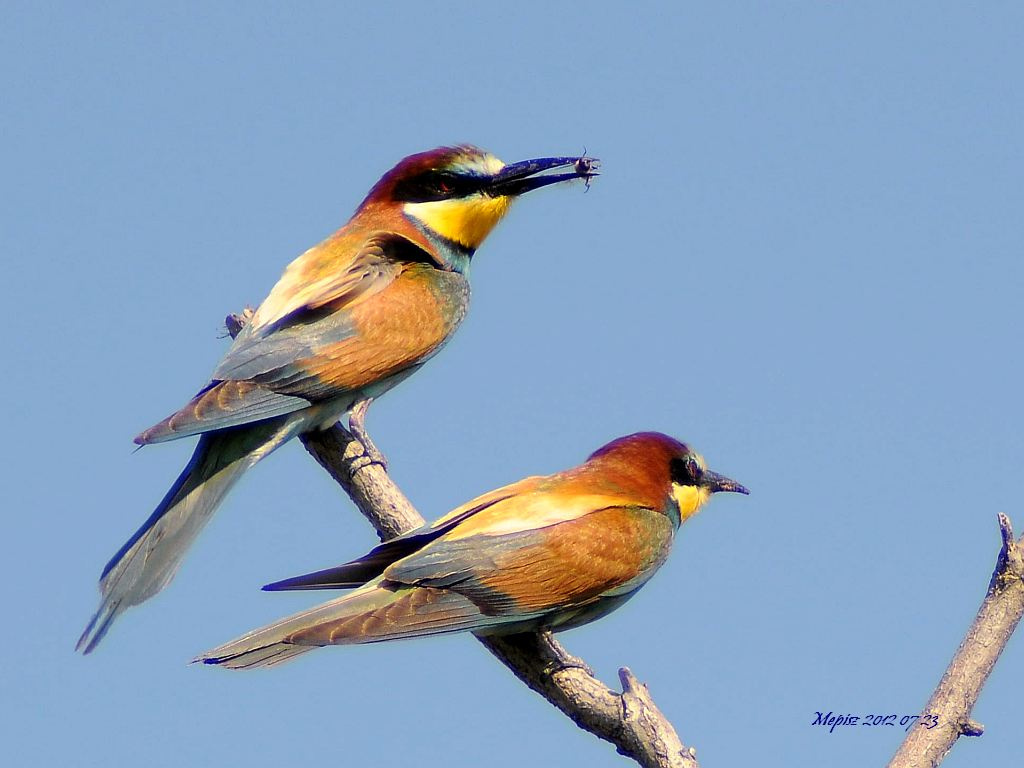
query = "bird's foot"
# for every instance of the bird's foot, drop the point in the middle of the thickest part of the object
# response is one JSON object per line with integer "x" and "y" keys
{"x": 562, "y": 658}
{"x": 357, "y": 426}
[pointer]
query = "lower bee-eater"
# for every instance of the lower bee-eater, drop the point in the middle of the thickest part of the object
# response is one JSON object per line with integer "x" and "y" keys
{"x": 548, "y": 552}
{"x": 349, "y": 319}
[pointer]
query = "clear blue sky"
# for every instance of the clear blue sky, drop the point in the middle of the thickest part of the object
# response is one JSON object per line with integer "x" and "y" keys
{"x": 804, "y": 257}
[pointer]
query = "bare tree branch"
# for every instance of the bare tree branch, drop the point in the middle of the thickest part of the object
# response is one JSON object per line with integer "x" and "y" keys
{"x": 953, "y": 700}
{"x": 630, "y": 720}
{"x": 365, "y": 480}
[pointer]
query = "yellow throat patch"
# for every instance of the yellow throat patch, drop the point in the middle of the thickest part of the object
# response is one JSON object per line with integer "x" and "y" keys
{"x": 465, "y": 220}
{"x": 690, "y": 498}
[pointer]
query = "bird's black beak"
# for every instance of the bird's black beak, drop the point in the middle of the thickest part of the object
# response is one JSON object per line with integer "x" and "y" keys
{"x": 517, "y": 178}
{"x": 717, "y": 483}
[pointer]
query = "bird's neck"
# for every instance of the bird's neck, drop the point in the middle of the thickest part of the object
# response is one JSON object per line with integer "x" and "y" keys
{"x": 455, "y": 255}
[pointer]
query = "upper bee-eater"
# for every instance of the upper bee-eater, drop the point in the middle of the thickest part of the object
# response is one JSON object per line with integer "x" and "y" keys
{"x": 349, "y": 319}
{"x": 548, "y": 552}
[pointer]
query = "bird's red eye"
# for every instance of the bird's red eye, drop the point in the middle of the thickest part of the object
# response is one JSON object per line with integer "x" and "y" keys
{"x": 687, "y": 470}
{"x": 695, "y": 470}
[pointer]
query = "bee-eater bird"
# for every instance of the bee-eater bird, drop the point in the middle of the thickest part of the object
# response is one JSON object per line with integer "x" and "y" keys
{"x": 349, "y": 319}
{"x": 548, "y": 552}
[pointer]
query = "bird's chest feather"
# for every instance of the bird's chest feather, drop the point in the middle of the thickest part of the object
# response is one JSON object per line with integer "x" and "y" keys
{"x": 402, "y": 326}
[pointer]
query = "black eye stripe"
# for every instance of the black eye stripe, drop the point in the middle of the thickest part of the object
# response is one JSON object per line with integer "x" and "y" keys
{"x": 686, "y": 471}
{"x": 434, "y": 185}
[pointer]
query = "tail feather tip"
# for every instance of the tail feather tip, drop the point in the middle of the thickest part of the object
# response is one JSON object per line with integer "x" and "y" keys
{"x": 96, "y": 629}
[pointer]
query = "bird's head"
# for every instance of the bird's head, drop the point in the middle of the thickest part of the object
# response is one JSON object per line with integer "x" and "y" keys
{"x": 460, "y": 193}
{"x": 662, "y": 468}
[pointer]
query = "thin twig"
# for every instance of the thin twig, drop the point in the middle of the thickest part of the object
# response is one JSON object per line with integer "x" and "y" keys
{"x": 949, "y": 710}
{"x": 629, "y": 720}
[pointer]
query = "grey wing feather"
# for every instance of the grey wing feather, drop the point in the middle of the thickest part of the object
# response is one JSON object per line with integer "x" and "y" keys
{"x": 254, "y": 355}
{"x": 208, "y": 411}
{"x": 448, "y": 563}
{"x": 357, "y": 572}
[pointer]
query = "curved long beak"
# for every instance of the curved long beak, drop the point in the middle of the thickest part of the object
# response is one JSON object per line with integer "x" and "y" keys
{"x": 717, "y": 483}
{"x": 518, "y": 178}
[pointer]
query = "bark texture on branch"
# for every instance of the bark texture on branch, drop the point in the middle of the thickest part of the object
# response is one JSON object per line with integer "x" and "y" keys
{"x": 365, "y": 480}
{"x": 953, "y": 700}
